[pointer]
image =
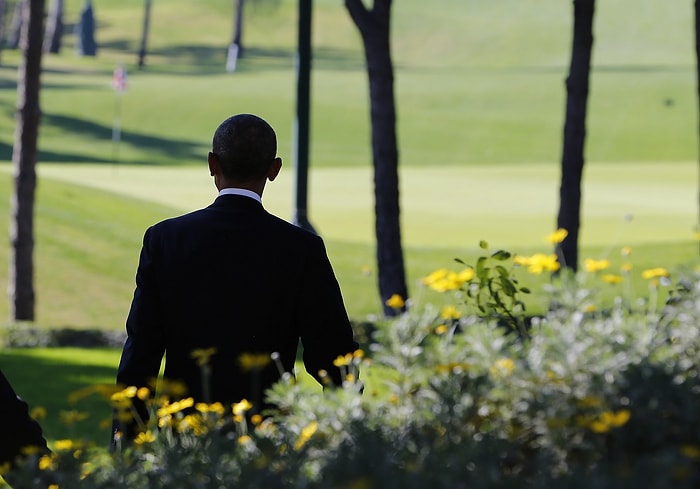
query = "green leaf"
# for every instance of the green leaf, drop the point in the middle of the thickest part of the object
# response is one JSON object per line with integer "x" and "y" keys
{"x": 524, "y": 290}
{"x": 508, "y": 288}
{"x": 459, "y": 260}
{"x": 480, "y": 267}
{"x": 483, "y": 244}
{"x": 501, "y": 255}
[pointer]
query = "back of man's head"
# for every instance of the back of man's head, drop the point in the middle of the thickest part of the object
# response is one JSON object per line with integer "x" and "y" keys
{"x": 246, "y": 146}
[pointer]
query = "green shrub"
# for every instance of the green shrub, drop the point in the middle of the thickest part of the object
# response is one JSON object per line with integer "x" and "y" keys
{"x": 584, "y": 396}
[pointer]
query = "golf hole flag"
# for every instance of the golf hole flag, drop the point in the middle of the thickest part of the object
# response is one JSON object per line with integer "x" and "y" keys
{"x": 119, "y": 79}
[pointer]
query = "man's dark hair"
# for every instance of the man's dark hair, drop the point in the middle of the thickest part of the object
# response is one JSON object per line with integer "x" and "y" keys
{"x": 246, "y": 146}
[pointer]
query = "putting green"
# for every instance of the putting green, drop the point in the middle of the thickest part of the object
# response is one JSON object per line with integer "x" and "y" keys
{"x": 507, "y": 205}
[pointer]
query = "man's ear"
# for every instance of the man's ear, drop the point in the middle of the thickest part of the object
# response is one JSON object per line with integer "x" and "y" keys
{"x": 274, "y": 169}
{"x": 213, "y": 161}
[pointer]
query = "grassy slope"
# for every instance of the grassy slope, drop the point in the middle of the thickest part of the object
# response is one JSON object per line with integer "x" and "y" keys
{"x": 478, "y": 83}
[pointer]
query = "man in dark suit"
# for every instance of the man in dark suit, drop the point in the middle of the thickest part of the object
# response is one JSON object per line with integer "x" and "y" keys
{"x": 19, "y": 433}
{"x": 233, "y": 277}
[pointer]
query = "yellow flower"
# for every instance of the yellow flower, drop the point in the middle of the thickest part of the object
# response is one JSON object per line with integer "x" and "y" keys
{"x": 305, "y": 435}
{"x": 203, "y": 355}
{"x": 612, "y": 279}
{"x": 38, "y": 413}
{"x": 466, "y": 275}
{"x": 254, "y": 361}
{"x": 106, "y": 390}
{"x": 443, "y": 280}
{"x": 358, "y": 354}
{"x": 30, "y": 450}
{"x": 145, "y": 437}
{"x": 175, "y": 407}
{"x": 46, "y": 462}
{"x": 590, "y": 308}
{"x": 60, "y": 445}
{"x": 143, "y": 393}
{"x": 124, "y": 395}
{"x": 538, "y": 263}
{"x": 53, "y": 486}
{"x": 435, "y": 276}
{"x": 655, "y": 273}
{"x": 691, "y": 451}
{"x": 503, "y": 366}
{"x": 5, "y": 468}
{"x": 72, "y": 417}
{"x": 256, "y": 419}
{"x": 241, "y": 407}
{"x": 626, "y": 251}
{"x": 395, "y": 301}
{"x": 450, "y": 312}
{"x": 593, "y": 266}
{"x": 165, "y": 421}
{"x": 558, "y": 236}
{"x": 608, "y": 419}
{"x": 243, "y": 439}
{"x": 343, "y": 360}
{"x": 216, "y": 408}
{"x": 442, "y": 329}
{"x": 626, "y": 267}
{"x": 193, "y": 423}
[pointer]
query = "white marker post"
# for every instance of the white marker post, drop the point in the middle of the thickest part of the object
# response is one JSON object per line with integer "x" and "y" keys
{"x": 119, "y": 86}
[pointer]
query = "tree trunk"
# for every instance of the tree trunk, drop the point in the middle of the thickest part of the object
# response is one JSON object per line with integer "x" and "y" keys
{"x": 235, "y": 49}
{"x": 54, "y": 27}
{"x": 85, "y": 31}
{"x": 16, "y": 27}
{"x": 238, "y": 29}
{"x": 3, "y": 9}
{"x": 569, "y": 217}
{"x": 374, "y": 27}
{"x": 24, "y": 156}
{"x": 697, "y": 68}
{"x": 144, "y": 32}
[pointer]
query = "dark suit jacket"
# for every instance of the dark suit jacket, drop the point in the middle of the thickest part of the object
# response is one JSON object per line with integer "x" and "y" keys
{"x": 234, "y": 277}
{"x": 17, "y": 429}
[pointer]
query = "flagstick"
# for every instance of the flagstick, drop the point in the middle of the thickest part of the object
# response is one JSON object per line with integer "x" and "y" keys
{"x": 116, "y": 127}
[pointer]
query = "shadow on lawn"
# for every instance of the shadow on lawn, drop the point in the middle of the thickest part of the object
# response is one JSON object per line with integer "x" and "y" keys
{"x": 185, "y": 150}
{"x": 47, "y": 383}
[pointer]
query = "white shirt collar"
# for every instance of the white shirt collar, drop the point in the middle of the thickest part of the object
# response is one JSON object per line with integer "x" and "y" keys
{"x": 240, "y": 191}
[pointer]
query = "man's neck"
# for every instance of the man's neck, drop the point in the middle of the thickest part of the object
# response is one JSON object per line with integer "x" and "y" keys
{"x": 240, "y": 191}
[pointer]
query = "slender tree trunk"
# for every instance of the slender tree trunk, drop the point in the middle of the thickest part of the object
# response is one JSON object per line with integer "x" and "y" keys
{"x": 144, "y": 32}
{"x": 569, "y": 217}
{"x": 697, "y": 68}
{"x": 16, "y": 27}
{"x": 24, "y": 156}
{"x": 54, "y": 27}
{"x": 374, "y": 27}
{"x": 235, "y": 49}
{"x": 238, "y": 29}
{"x": 3, "y": 10}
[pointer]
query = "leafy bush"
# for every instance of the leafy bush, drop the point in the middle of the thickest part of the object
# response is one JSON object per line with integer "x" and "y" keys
{"x": 468, "y": 396}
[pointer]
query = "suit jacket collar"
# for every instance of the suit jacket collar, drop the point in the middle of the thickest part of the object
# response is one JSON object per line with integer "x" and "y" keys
{"x": 236, "y": 202}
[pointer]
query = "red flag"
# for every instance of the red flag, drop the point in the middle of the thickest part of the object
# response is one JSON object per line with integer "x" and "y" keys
{"x": 119, "y": 79}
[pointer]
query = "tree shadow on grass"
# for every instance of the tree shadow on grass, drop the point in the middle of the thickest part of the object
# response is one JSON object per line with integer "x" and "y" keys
{"x": 48, "y": 383}
{"x": 173, "y": 150}
{"x": 182, "y": 149}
